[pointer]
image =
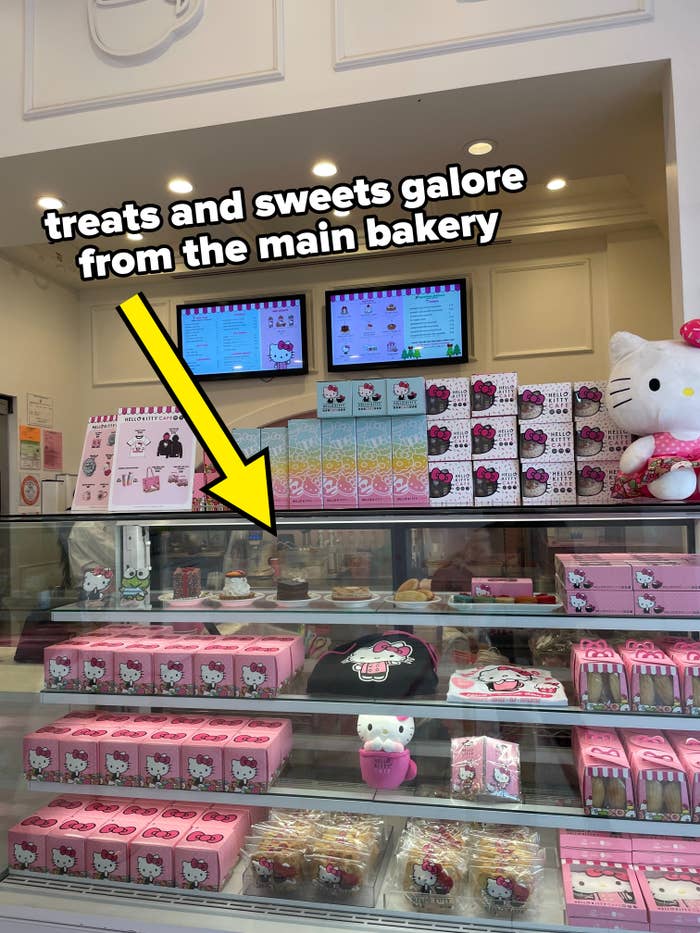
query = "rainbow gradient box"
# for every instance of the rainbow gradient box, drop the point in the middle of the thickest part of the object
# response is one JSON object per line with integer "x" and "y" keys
{"x": 409, "y": 453}
{"x": 248, "y": 439}
{"x": 339, "y": 461}
{"x": 276, "y": 440}
{"x": 374, "y": 463}
{"x": 305, "y": 465}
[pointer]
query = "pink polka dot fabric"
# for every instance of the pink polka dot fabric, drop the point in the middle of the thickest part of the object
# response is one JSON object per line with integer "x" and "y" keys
{"x": 666, "y": 445}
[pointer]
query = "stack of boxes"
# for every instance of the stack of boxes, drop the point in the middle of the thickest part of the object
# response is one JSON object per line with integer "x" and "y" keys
{"x": 598, "y": 444}
{"x": 546, "y": 444}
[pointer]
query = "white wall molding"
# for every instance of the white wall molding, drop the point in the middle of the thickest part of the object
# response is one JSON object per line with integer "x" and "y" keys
{"x": 47, "y": 94}
{"x": 619, "y": 13}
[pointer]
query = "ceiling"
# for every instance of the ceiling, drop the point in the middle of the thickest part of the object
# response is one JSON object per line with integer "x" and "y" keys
{"x": 583, "y": 126}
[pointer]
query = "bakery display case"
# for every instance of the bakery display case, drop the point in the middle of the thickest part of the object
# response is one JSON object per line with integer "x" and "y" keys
{"x": 428, "y": 719}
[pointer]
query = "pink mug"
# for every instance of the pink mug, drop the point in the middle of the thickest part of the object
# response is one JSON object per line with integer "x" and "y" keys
{"x": 386, "y": 770}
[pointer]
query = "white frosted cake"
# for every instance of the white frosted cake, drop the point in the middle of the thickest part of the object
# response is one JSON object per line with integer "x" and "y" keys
{"x": 236, "y": 586}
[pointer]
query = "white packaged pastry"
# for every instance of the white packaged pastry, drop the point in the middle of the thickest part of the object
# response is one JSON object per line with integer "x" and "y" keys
{"x": 506, "y": 684}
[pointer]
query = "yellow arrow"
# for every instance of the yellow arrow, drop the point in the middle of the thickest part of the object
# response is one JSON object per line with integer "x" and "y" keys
{"x": 245, "y": 483}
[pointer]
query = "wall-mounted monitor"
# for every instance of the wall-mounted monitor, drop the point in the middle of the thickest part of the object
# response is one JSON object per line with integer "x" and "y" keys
{"x": 244, "y": 337}
{"x": 412, "y": 325}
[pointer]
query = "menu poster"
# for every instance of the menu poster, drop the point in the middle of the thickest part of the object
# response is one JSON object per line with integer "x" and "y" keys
{"x": 29, "y": 447}
{"x": 153, "y": 462}
{"x": 95, "y": 470}
{"x": 53, "y": 451}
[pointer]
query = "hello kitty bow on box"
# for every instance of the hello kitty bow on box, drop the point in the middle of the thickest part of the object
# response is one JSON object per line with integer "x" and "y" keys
{"x": 436, "y": 391}
{"x": 535, "y": 435}
{"x": 258, "y": 668}
{"x": 539, "y": 476}
{"x": 485, "y": 388}
{"x": 249, "y": 762}
{"x": 535, "y": 397}
{"x": 594, "y": 473}
{"x": 591, "y": 395}
{"x": 441, "y": 432}
{"x": 592, "y": 434}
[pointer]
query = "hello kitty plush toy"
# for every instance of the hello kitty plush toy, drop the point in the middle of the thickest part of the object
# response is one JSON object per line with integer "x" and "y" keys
{"x": 385, "y": 762}
{"x": 654, "y": 392}
{"x": 385, "y": 733}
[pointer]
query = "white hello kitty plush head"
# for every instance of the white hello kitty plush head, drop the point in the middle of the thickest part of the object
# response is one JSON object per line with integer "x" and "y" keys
{"x": 654, "y": 392}
{"x": 116, "y": 763}
{"x": 390, "y": 733}
{"x": 244, "y": 770}
{"x": 254, "y": 675}
{"x": 104, "y": 862}
{"x": 150, "y": 867}
{"x": 195, "y": 872}
{"x": 63, "y": 858}
{"x": 25, "y": 853}
{"x": 158, "y": 765}
{"x": 39, "y": 758}
{"x": 212, "y": 673}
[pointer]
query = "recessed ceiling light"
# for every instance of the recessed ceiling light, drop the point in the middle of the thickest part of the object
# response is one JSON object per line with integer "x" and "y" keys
{"x": 480, "y": 147}
{"x": 180, "y": 185}
{"x": 556, "y": 184}
{"x": 341, "y": 213}
{"x": 48, "y": 202}
{"x": 134, "y": 236}
{"x": 324, "y": 169}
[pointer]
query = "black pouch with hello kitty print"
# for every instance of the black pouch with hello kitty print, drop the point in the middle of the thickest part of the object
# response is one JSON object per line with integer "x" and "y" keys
{"x": 391, "y": 666}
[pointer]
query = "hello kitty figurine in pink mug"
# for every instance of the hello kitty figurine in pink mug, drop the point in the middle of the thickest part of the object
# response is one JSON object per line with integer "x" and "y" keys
{"x": 385, "y": 762}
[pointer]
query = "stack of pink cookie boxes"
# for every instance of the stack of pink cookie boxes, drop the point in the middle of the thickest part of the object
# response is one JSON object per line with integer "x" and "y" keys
{"x": 162, "y": 751}
{"x": 616, "y": 881}
{"x": 546, "y": 444}
{"x": 629, "y": 584}
{"x": 146, "y": 842}
{"x": 598, "y": 444}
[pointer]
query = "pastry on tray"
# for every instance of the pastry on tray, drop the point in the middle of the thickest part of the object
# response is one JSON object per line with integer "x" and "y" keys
{"x": 414, "y": 591}
{"x": 291, "y": 589}
{"x": 236, "y": 586}
{"x": 351, "y": 593}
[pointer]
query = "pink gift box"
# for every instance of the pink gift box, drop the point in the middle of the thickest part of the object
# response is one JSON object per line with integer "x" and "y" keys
{"x": 262, "y": 670}
{"x": 665, "y": 571}
{"x": 112, "y": 719}
{"x": 66, "y": 844}
{"x": 598, "y": 658}
{"x": 96, "y": 665}
{"x": 280, "y": 730}
{"x": 214, "y": 670}
{"x": 134, "y": 667}
{"x": 672, "y": 895}
{"x": 666, "y": 603}
{"x": 686, "y": 657}
{"x": 26, "y": 843}
{"x": 600, "y": 754}
{"x": 80, "y": 754}
{"x": 152, "y": 853}
{"x": 600, "y": 603}
{"x": 607, "y": 923}
{"x": 644, "y": 660}
{"x": 41, "y": 752}
{"x": 618, "y": 846}
{"x": 484, "y": 768}
{"x": 687, "y": 747}
{"x": 652, "y": 759}
{"x": 663, "y": 845}
{"x": 593, "y": 572}
{"x": 252, "y": 760}
{"x": 601, "y": 890}
{"x": 107, "y": 848}
{"x": 202, "y": 760}
{"x": 295, "y": 643}
{"x": 206, "y": 857}
{"x": 61, "y": 666}
{"x": 119, "y": 755}
{"x": 159, "y": 757}
{"x": 174, "y": 669}
{"x": 501, "y": 586}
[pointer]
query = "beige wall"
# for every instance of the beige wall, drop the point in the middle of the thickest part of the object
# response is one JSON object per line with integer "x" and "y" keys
{"x": 532, "y": 305}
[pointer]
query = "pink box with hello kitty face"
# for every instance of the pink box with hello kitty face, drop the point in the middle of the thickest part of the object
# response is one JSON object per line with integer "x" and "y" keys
{"x": 119, "y": 755}
{"x": 252, "y": 760}
{"x": 599, "y": 754}
{"x": 80, "y": 754}
{"x": 27, "y": 844}
{"x": 214, "y": 670}
{"x": 686, "y": 657}
{"x": 107, "y": 848}
{"x": 493, "y": 438}
{"x": 152, "y": 851}
{"x": 665, "y": 571}
{"x": 262, "y": 670}
{"x": 206, "y": 857}
{"x": 159, "y": 757}
{"x": 672, "y": 896}
{"x": 96, "y": 671}
{"x": 61, "y": 666}
{"x": 687, "y": 747}
{"x": 174, "y": 669}
{"x": 666, "y": 603}
{"x": 281, "y": 732}
{"x": 593, "y": 572}
{"x": 66, "y": 844}
{"x": 602, "y": 890}
{"x": 41, "y": 752}
{"x": 295, "y": 643}
{"x": 134, "y": 667}
{"x": 601, "y": 603}
{"x": 202, "y": 759}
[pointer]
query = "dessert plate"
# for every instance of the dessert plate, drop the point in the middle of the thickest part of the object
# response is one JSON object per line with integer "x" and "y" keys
{"x": 221, "y": 602}
{"x": 188, "y": 602}
{"x": 292, "y": 603}
{"x": 417, "y": 605}
{"x": 351, "y": 603}
{"x": 505, "y": 609}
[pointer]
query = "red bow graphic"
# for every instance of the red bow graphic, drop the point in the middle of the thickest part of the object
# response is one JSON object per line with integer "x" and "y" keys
{"x": 154, "y": 859}
{"x": 174, "y": 814}
{"x": 90, "y": 733}
{"x": 78, "y": 827}
{"x": 44, "y": 752}
{"x": 223, "y": 721}
{"x": 169, "y": 736}
{"x": 136, "y": 810}
{"x": 593, "y": 434}
{"x": 156, "y": 833}
{"x": 81, "y": 755}
{"x": 441, "y": 432}
{"x": 532, "y": 434}
{"x": 28, "y": 847}
{"x": 249, "y": 762}
{"x": 402, "y": 650}
{"x": 529, "y": 396}
{"x": 198, "y": 836}
{"x": 63, "y": 661}
{"x": 594, "y": 395}
{"x": 484, "y": 430}
{"x": 490, "y": 475}
{"x": 606, "y": 873}
{"x": 65, "y": 803}
{"x": 107, "y": 855}
{"x": 258, "y": 668}
{"x": 38, "y": 821}
{"x": 128, "y": 734}
{"x": 116, "y": 830}
{"x": 205, "y": 737}
{"x": 120, "y": 756}
{"x": 486, "y": 388}
{"x": 283, "y": 345}
{"x": 435, "y": 391}
{"x": 505, "y": 882}
{"x": 441, "y": 476}
{"x": 219, "y": 817}
{"x": 216, "y": 666}
{"x": 681, "y": 876}
{"x": 54, "y": 730}
{"x": 187, "y": 720}
{"x": 175, "y": 665}
{"x": 265, "y": 724}
{"x": 540, "y": 476}
{"x": 101, "y": 807}
{"x": 161, "y": 759}
{"x": 199, "y": 863}
{"x": 151, "y": 717}
{"x": 203, "y": 760}
{"x": 255, "y": 739}
{"x": 134, "y": 665}
{"x": 594, "y": 473}
{"x": 67, "y": 850}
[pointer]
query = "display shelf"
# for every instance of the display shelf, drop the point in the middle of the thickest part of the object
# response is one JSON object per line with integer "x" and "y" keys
{"x": 358, "y": 798}
{"x": 426, "y": 709}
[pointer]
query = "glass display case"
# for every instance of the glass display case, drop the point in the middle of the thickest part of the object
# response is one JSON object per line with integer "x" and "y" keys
{"x": 512, "y": 670}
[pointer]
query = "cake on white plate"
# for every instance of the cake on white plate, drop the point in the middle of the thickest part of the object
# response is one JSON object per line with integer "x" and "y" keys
{"x": 236, "y": 586}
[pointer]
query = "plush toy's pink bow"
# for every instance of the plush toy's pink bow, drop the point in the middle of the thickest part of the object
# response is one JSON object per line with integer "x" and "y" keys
{"x": 690, "y": 332}
{"x": 333, "y": 870}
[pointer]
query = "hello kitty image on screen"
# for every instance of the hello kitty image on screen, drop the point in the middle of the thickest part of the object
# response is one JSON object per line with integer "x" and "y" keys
{"x": 373, "y": 663}
{"x": 281, "y": 353}
{"x": 653, "y": 393}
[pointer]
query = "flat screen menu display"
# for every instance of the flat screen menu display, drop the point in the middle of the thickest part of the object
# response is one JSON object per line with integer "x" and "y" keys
{"x": 244, "y": 337}
{"x": 409, "y": 325}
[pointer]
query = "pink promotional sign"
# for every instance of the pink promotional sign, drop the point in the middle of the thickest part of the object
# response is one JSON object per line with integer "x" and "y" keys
{"x": 154, "y": 461}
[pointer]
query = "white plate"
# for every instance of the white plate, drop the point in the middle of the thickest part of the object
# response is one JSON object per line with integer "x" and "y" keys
{"x": 401, "y": 604}
{"x": 292, "y": 603}
{"x": 190, "y": 602}
{"x": 216, "y": 600}
{"x": 505, "y": 609}
{"x": 351, "y": 603}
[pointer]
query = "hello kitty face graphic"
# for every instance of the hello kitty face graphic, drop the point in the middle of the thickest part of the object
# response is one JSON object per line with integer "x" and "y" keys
{"x": 195, "y": 872}
{"x": 499, "y": 889}
{"x": 25, "y": 854}
{"x": 200, "y": 768}
{"x": 63, "y": 858}
{"x": 126, "y": 29}
{"x": 330, "y": 875}
{"x": 373, "y": 663}
{"x": 105, "y": 862}
{"x": 254, "y": 676}
{"x": 244, "y": 770}
{"x": 116, "y": 764}
{"x": 76, "y": 763}
{"x": 331, "y": 393}
{"x": 577, "y": 578}
{"x": 402, "y": 391}
{"x": 263, "y": 869}
{"x": 674, "y": 887}
{"x": 501, "y": 678}
{"x": 587, "y": 885}
{"x": 467, "y": 776}
{"x": 647, "y": 603}
{"x": 501, "y": 780}
{"x": 150, "y": 867}
{"x": 281, "y": 353}
{"x": 157, "y": 766}
{"x": 365, "y": 390}
{"x": 579, "y": 603}
{"x": 130, "y": 672}
{"x": 171, "y": 673}
{"x": 94, "y": 670}
{"x": 430, "y": 878}
{"x": 645, "y": 578}
{"x": 212, "y": 674}
{"x": 385, "y": 733}
{"x": 59, "y": 669}
{"x": 39, "y": 760}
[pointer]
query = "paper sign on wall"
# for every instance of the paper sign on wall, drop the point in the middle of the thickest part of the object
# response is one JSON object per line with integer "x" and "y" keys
{"x": 40, "y": 410}
{"x": 53, "y": 451}
{"x": 154, "y": 461}
{"x": 29, "y": 447}
{"x": 95, "y": 471}
{"x": 29, "y": 493}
